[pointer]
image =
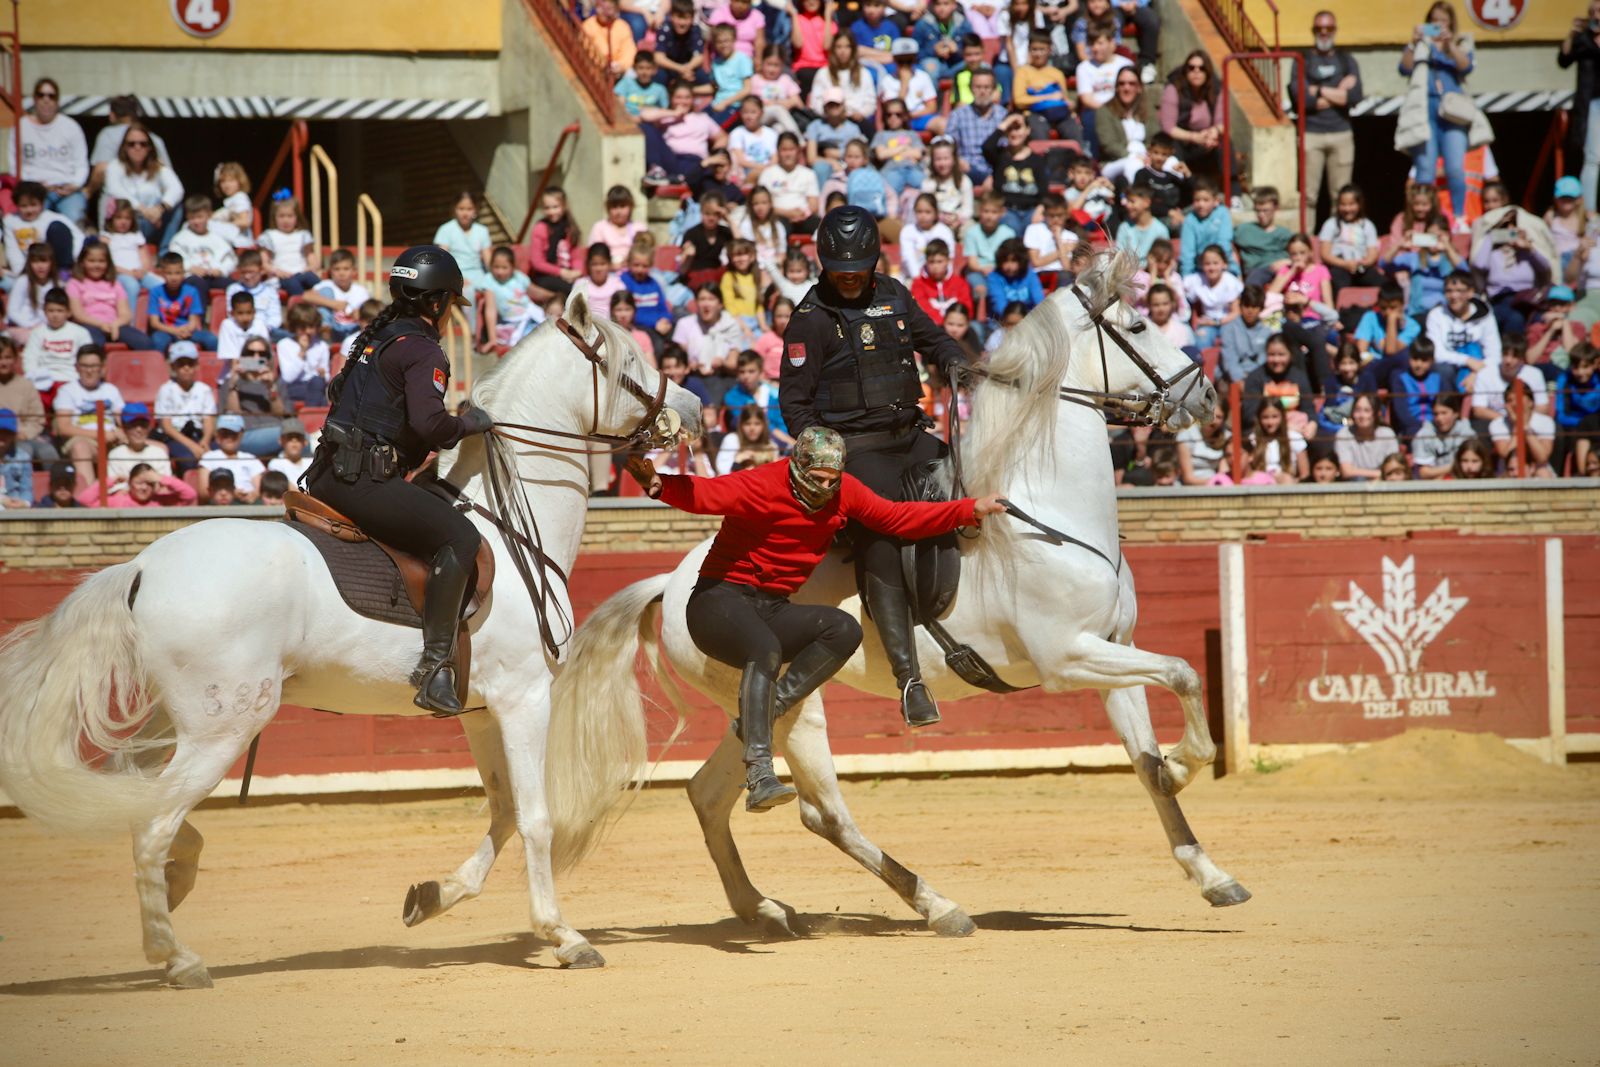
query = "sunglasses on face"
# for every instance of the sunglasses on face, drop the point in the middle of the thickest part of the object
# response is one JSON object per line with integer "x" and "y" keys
{"x": 44, "y": 96}
{"x": 1201, "y": 67}
{"x": 137, "y": 144}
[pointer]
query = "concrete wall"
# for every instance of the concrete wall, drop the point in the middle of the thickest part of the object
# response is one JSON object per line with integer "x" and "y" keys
{"x": 74, "y": 540}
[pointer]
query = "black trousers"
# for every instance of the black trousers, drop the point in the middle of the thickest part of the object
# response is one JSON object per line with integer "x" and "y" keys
{"x": 401, "y": 514}
{"x": 752, "y": 629}
{"x": 881, "y": 464}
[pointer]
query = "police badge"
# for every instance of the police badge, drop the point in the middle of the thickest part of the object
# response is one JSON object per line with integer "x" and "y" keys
{"x": 868, "y": 335}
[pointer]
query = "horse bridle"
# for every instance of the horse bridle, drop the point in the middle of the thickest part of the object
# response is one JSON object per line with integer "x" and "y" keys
{"x": 658, "y": 424}
{"x": 1140, "y": 409}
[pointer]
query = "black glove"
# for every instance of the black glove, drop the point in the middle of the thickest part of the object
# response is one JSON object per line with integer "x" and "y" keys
{"x": 476, "y": 420}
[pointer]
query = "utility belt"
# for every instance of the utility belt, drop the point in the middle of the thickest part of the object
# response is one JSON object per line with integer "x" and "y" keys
{"x": 357, "y": 452}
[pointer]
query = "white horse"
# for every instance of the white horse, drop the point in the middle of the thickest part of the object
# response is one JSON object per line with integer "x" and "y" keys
{"x": 172, "y": 662}
{"x": 1041, "y": 610}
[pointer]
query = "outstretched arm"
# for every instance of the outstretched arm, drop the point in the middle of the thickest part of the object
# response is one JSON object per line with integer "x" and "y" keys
{"x": 913, "y": 519}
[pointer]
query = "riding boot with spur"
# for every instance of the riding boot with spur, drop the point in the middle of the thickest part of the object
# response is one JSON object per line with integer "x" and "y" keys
{"x": 891, "y": 611}
{"x": 755, "y": 718}
{"x": 435, "y": 676}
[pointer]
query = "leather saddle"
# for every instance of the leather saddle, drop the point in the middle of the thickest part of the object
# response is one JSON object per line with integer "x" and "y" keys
{"x": 932, "y": 567}
{"x": 411, "y": 572}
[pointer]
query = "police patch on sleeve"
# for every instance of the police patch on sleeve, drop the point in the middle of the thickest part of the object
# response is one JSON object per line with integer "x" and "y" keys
{"x": 797, "y": 355}
{"x": 438, "y": 379}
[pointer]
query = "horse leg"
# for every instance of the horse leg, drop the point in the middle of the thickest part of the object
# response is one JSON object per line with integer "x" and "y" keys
{"x": 183, "y": 864}
{"x": 427, "y": 899}
{"x": 524, "y": 729}
{"x": 713, "y": 791}
{"x": 823, "y": 811}
{"x": 1094, "y": 663}
{"x": 1130, "y": 717}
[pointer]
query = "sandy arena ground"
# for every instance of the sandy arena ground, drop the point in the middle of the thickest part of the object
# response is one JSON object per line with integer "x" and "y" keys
{"x": 1400, "y": 916}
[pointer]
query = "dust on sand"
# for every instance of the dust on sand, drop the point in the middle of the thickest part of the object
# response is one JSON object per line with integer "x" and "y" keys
{"x": 1394, "y": 921}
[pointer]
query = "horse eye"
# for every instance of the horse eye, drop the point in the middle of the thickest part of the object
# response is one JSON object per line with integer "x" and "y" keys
{"x": 1137, "y": 327}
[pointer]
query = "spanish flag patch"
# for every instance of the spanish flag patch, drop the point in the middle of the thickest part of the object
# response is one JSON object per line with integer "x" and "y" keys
{"x": 438, "y": 379}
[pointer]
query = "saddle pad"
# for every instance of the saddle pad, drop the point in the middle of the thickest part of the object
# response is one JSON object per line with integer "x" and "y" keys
{"x": 365, "y": 576}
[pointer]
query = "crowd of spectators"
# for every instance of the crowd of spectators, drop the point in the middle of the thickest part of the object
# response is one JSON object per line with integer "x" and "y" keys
{"x": 999, "y": 143}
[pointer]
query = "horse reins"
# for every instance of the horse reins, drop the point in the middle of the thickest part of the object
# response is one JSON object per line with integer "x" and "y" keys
{"x": 1152, "y": 405}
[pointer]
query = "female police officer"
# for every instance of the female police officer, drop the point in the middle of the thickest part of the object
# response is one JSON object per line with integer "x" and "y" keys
{"x": 848, "y": 365}
{"x": 387, "y": 414}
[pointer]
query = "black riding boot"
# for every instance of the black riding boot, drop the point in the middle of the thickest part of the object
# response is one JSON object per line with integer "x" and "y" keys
{"x": 891, "y": 611}
{"x": 806, "y": 674}
{"x": 435, "y": 676}
{"x": 755, "y": 717}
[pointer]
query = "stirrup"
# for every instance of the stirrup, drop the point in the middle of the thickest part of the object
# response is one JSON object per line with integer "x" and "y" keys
{"x": 436, "y": 692}
{"x": 765, "y": 790}
{"x": 917, "y": 705}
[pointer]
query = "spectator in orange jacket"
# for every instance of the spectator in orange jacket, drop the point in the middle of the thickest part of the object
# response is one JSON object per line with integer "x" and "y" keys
{"x": 609, "y": 38}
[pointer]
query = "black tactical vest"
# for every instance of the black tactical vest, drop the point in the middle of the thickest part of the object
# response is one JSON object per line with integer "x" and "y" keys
{"x": 369, "y": 405}
{"x": 874, "y": 367}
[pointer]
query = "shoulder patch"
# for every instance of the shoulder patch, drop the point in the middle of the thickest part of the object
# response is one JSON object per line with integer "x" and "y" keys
{"x": 797, "y": 355}
{"x": 439, "y": 379}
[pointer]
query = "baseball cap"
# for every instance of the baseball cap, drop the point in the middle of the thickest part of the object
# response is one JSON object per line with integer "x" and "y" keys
{"x": 1569, "y": 186}
{"x": 63, "y": 473}
{"x": 136, "y": 412}
{"x": 230, "y": 422}
{"x": 834, "y": 95}
{"x": 903, "y": 46}
{"x": 220, "y": 476}
{"x": 8, "y": 420}
{"x": 182, "y": 350}
{"x": 293, "y": 427}
{"x": 1557, "y": 294}
{"x": 251, "y": 363}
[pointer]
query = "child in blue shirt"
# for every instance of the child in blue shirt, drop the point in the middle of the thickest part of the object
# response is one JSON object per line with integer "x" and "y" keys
{"x": 1372, "y": 332}
{"x": 752, "y": 387}
{"x": 177, "y": 310}
{"x": 981, "y": 240}
{"x": 864, "y": 185}
{"x": 1427, "y": 264}
{"x": 652, "y": 310}
{"x": 639, "y": 88}
{"x": 1013, "y": 280}
{"x": 731, "y": 71}
{"x": 1577, "y": 409}
{"x": 509, "y": 300}
{"x": 1141, "y": 228}
{"x": 1413, "y": 390}
{"x": 1205, "y": 223}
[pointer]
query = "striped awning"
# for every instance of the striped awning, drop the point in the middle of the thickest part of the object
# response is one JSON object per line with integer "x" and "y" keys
{"x": 1491, "y": 103}
{"x": 283, "y": 107}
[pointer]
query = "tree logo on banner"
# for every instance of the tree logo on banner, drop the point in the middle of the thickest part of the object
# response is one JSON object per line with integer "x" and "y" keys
{"x": 202, "y": 18}
{"x": 1399, "y": 632}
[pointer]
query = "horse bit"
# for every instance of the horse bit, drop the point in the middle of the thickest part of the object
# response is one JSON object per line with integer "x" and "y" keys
{"x": 1139, "y": 409}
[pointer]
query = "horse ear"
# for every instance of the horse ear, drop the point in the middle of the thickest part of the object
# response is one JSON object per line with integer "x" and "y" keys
{"x": 577, "y": 311}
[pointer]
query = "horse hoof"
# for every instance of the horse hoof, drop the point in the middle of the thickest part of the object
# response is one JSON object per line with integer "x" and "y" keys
{"x": 189, "y": 976}
{"x": 586, "y": 958}
{"x": 1227, "y": 894}
{"x": 422, "y": 902}
{"x": 953, "y": 923}
{"x": 773, "y": 919}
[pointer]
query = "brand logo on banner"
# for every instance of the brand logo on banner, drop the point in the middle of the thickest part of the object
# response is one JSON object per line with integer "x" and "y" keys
{"x": 1400, "y": 631}
{"x": 202, "y": 18}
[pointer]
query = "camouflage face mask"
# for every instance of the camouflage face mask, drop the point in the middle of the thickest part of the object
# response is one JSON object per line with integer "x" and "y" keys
{"x": 817, "y": 447}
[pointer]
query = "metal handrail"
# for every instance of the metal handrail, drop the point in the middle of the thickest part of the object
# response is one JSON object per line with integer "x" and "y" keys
{"x": 322, "y": 168}
{"x": 1243, "y": 39}
{"x": 562, "y": 30}
{"x": 1299, "y": 62}
{"x": 572, "y": 130}
{"x": 365, "y": 208}
{"x": 294, "y": 142}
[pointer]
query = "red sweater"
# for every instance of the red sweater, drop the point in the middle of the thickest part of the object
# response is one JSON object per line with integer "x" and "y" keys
{"x": 770, "y": 541}
{"x": 936, "y": 297}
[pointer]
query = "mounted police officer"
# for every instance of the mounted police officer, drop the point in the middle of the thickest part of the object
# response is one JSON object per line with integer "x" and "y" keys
{"x": 387, "y": 414}
{"x": 848, "y": 364}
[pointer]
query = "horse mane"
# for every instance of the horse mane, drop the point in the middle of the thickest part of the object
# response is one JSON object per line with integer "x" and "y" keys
{"x": 1014, "y": 409}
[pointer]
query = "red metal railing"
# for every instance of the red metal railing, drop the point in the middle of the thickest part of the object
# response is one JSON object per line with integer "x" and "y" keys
{"x": 11, "y": 82}
{"x": 561, "y": 30}
{"x": 1245, "y": 59}
{"x": 1553, "y": 150}
{"x": 294, "y": 143}
{"x": 1244, "y": 39}
{"x": 544, "y": 180}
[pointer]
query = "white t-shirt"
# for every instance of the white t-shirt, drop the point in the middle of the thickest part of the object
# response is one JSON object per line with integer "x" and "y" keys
{"x": 913, "y": 244}
{"x": 288, "y": 250}
{"x": 919, "y": 91}
{"x": 182, "y": 405}
{"x": 1205, "y": 460}
{"x": 792, "y": 190}
{"x": 54, "y": 153}
{"x": 203, "y": 251}
{"x": 51, "y": 356}
{"x": 707, "y": 349}
{"x": 292, "y": 471}
{"x": 73, "y": 398}
{"x": 1178, "y": 332}
{"x": 108, "y": 142}
{"x": 244, "y": 466}
{"x": 1038, "y": 238}
{"x": 1540, "y": 426}
{"x": 1275, "y": 462}
{"x": 297, "y": 366}
{"x": 121, "y": 460}
{"x": 1489, "y": 387}
{"x": 127, "y": 252}
{"x": 760, "y": 146}
{"x": 20, "y": 234}
{"x": 238, "y": 204}
{"x": 353, "y": 298}
{"x": 269, "y": 304}
{"x": 1212, "y": 301}
{"x": 1097, "y": 82}
{"x": 230, "y": 339}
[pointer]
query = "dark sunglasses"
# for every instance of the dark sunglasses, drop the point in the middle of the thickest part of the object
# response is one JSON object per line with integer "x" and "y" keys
{"x": 44, "y": 96}
{"x": 136, "y": 144}
{"x": 1196, "y": 66}
{"x": 1325, "y": 27}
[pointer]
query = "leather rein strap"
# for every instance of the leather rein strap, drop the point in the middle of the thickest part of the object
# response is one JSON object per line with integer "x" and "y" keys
{"x": 614, "y": 442}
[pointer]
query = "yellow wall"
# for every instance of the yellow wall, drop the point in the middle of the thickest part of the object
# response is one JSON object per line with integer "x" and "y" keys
{"x": 1389, "y": 22}
{"x": 295, "y": 25}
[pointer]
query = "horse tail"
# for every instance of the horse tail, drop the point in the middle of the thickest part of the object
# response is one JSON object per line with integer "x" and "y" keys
{"x": 79, "y": 732}
{"x": 597, "y": 753}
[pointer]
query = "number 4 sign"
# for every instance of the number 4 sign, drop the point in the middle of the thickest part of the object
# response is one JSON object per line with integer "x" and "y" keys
{"x": 1497, "y": 14}
{"x": 207, "y": 18}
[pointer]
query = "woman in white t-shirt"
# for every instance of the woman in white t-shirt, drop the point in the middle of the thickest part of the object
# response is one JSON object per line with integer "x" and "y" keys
{"x": 1203, "y": 453}
{"x": 139, "y": 177}
{"x": 1276, "y": 450}
{"x": 55, "y": 153}
{"x": 845, "y": 73}
{"x": 1214, "y": 294}
{"x": 288, "y": 243}
{"x": 759, "y": 224}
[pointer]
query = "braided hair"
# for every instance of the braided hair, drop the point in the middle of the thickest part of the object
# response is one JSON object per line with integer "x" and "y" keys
{"x": 403, "y": 307}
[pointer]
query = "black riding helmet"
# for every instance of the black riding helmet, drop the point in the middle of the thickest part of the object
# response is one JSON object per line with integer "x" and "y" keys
{"x": 423, "y": 270}
{"x": 847, "y": 240}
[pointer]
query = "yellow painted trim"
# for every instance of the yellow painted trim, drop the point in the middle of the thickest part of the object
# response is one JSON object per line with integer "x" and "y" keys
{"x": 257, "y": 25}
{"x": 1379, "y": 23}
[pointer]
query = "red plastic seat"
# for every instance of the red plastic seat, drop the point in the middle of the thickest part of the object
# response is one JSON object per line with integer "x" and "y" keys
{"x": 1357, "y": 296}
{"x": 667, "y": 257}
{"x": 137, "y": 375}
{"x": 210, "y": 368}
{"x": 313, "y": 418}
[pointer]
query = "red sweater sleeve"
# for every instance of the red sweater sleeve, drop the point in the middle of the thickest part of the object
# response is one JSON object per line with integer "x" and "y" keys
{"x": 912, "y": 519}
{"x": 541, "y": 257}
{"x": 730, "y": 494}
